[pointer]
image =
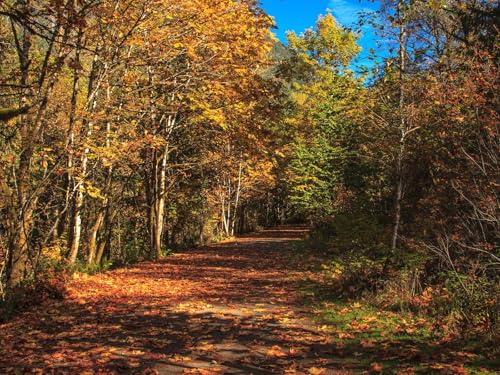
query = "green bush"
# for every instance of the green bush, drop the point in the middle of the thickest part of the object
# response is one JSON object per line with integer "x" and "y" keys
{"x": 355, "y": 242}
{"x": 355, "y": 232}
{"x": 473, "y": 303}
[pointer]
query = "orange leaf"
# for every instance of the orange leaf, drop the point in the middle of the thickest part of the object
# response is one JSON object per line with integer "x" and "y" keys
{"x": 317, "y": 371}
{"x": 376, "y": 367}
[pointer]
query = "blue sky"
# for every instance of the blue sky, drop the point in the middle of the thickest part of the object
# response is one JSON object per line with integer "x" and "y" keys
{"x": 298, "y": 15}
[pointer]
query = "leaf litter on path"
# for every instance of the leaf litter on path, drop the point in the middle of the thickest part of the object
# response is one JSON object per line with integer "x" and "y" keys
{"x": 220, "y": 309}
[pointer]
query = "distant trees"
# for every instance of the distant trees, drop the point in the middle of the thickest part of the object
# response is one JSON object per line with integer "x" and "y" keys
{"x": 326, "y": 94}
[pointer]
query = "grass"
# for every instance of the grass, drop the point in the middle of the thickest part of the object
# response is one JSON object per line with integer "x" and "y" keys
{"x": 373, "y": 340}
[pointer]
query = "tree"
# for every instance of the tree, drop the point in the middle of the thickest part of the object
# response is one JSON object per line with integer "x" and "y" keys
{"x": 41, "y": 37}
{"x": 326, "y": 93}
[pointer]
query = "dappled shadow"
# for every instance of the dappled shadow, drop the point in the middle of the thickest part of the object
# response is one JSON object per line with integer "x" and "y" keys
{"x": 227, "y": 308}
{"x": 131, "y": 336}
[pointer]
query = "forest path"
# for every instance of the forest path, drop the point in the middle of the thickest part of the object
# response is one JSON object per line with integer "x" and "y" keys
{"x": 226, "y": 308}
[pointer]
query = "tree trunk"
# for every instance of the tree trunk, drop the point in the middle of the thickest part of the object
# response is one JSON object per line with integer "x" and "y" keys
{"x": 31, "y": 126}
{"x": 76, "y": 222}
{"x": 402, "y": 129}
{"x": 19, "y": 250}
{"x": 160, "y": 201}
{"x": 70, "y": 139}
{"x": 236, "y": 200}
{"x": 100, "y": 252}
{"x": 93, "y": 238}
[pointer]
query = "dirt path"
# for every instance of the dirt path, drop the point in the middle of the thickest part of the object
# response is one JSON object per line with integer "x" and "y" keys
{"x": 228, "y": 308}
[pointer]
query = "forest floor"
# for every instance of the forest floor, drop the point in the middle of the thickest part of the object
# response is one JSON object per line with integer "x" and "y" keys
{"x": 232, "y": 308}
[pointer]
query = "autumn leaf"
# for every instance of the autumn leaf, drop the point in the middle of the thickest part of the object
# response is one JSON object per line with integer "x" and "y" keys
{"x": 316, "y": 371}
{"x": 276, "y": 351}
{"x": 345, "y": 335}
{"x": 376, "y": 367}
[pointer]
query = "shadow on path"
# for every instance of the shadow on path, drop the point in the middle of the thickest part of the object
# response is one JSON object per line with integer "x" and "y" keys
{"x": 227, "y": 308}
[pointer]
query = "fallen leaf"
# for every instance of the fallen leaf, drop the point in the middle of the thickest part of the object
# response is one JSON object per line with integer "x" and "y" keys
{"x": 317, "y": 371}
{"x": 376, "y": 367}
{"x": 276, "y": 351}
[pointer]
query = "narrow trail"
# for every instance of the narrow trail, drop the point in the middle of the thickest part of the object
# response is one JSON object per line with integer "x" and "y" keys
{"x": 226, "y": 308}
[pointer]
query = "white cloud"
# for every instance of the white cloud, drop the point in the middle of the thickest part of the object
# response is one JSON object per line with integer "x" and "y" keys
{"x": 346, "y": 11}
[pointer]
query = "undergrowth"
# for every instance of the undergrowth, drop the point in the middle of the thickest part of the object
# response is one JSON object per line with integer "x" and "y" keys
{"x": 390, "y": 313}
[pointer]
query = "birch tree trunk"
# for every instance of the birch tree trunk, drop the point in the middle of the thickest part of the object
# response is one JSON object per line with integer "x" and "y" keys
{"x": 402, "y": 127}
{"x": 160, "y": 204}
{"x": 76, "y": 223}
{"x": 237, "y": 199}
{"x": 103, "y": 206}
{"x": 70, "y": 140}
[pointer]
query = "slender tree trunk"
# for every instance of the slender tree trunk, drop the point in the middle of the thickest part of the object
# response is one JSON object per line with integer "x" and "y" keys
{"x": 399, "y": 196}
{"x": 223, "y": 212}
{"x": 402, "y": 129}
{"x": 31, "y": 126}
{"x": 76, "y": 222}
{"x": 79, "y": 200}
{"x": 93, "y": 238}
{"x": 104, "y": 206}
{"x": 228, "y": 212}
{"x": 160, "y": 204}
{"x": 21, "y": 227}
{"x": 161, "y": 188}
{"x": 158, "y": 178}
{"x": 100, "y": 252}
{"x": 70, "y": 140}
{"x": 20, "y": 248}
{"x": 237, "y": 199}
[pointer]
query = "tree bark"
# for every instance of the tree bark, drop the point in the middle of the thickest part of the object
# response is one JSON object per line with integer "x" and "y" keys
{"x": 402, "y": 128}
{"x": 31, "y": 127}
{"x": 70, "y": 139}
{"x": 76, "y": 222}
